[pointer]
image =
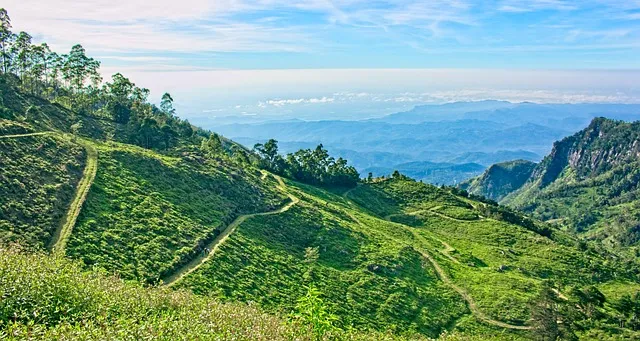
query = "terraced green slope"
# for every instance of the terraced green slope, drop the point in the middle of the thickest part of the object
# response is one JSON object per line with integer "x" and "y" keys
{"x": 147, "y": 213}
{"x": 398, "y": 255}
{"x": 369, "y": 280}
{"x": 395, "y": 255}
{"x": 50, "y": 298}
{"x": 38, "y": 177}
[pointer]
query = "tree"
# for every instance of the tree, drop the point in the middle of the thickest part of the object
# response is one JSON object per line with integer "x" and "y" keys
{"x": 119, "y": 92}
{"x": 39, "y": 66}
{"x": 214, "y": 144}
{"x": 551, "y": 316}
{"x": 544, "y": 314}
{"x": 148, "y": 131}
{"x": 588, "y": 299}
{"x": 269, "y": 154}
{"x": 78, "y": 68}
{"x": 20, "y": 53}
{"x": 168, "y": 135}
{"x": 6, "y": 37}
{"x": 54, "y": 64}
{"x": 166, "y": 104}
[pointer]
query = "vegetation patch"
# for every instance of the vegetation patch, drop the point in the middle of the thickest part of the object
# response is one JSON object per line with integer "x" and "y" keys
{"x": 147, "y": 214}
{"x": 38, "y": 178}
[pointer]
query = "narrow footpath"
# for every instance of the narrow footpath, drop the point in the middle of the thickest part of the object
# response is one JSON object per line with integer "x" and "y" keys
{"x": 214, "y": 245}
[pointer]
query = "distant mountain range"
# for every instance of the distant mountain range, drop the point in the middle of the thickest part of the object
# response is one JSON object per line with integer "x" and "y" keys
{"x": 454, "y": 134}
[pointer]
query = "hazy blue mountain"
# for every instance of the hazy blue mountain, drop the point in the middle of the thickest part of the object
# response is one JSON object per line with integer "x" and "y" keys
{"x": 484, "y": 133}
{"x": 487, "y": 159}
{"x": 441, "y": 112}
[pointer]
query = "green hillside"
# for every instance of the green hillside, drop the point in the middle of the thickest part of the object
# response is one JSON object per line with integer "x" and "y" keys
{"x": 589, "y": 184}
{"x": 500, "y": 179}
{"x": 394, "y": 255}
{"x": 38, "y": 178}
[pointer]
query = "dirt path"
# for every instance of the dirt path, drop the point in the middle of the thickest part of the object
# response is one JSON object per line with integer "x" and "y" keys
{"x": 434, "y": 211}
{"x": 214, "y": 245}
{"x": 447, "y": 251}
{"x": 462, "y": 292}
{"x": 62, "y": 233}
{"x": 25, "y": 135}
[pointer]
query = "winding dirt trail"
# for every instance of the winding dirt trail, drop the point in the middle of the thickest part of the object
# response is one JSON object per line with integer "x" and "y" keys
{"x": 25, "y": 135}
{"x": 61, "y": 235}
{"x": 442, "y": 275}
{"x": 462, "y": 292}
{"x": 214, "y": 245}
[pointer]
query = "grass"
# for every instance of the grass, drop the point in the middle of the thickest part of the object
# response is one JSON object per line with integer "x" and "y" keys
{"x": 483, "y": 246}
{"x": 61, "y": 236}
{"x": 148, "y": 214}
{"x": 369, "y": 282}
{"x": 397, "y": 256}
{"x": 37, "y": 182}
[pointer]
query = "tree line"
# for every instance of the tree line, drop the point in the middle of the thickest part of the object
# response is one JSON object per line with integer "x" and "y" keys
{"x": 314, "y": 167}
{"x": 73, "y": 80}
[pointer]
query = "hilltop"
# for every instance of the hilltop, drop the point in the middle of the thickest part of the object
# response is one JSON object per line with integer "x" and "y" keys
{"x": 500, "y": 179}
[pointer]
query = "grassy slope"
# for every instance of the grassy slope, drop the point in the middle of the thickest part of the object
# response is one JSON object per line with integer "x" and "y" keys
{"x": 51, "y": 298}
{"x": 371, "y": 269}
{"x": 471, "y": 251}
{"x": 369, "y": 280}
{"x": 147, "y": 214}
{"x": 37, "y": 183}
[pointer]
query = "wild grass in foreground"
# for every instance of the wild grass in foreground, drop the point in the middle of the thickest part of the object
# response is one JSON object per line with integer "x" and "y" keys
{"x": 52, "y": 298}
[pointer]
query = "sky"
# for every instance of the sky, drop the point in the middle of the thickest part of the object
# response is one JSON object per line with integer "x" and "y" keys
{"x": 337, "y": 58}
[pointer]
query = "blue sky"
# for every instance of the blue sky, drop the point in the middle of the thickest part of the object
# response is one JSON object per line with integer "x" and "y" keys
{"x": 187, "y": 39}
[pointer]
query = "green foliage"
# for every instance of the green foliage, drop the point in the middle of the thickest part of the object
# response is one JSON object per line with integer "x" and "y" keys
{"x": 148, "y": 214}
{"x": 314, "y": 167}
{"x": 368, "y": 280}
{"x": 589, "y": 183}
{"x": 311, "y": 311}
{"x": 37, "y": 182}
{"x": 48, "y": 298}
{"x": 389, "y": 254}
{"x": 51, "y": 298}
{"x": 500, "y": 179}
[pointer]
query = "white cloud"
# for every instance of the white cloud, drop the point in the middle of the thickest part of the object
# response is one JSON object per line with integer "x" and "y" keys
{"x": 283, "y": 102}
{"x": 140, "y": 26}
{"x": 521, "y": 6}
